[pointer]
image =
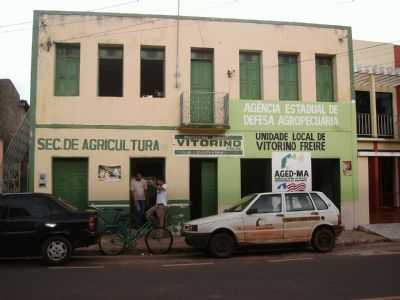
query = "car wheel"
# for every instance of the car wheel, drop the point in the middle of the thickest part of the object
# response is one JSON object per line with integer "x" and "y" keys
{"x": 56, "y": 250}
{"x": 221, "y": 245}
{"x": 323, "y": 240}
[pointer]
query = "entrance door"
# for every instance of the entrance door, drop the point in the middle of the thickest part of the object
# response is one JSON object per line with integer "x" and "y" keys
{"x": 70, "y": 180}
{"x": 387, "y": 181}
{"x": 202, "y": 88}
{"x": 326, "y": 178}
{"x": 203, "y": 187}
{"x": 255, "y": 175}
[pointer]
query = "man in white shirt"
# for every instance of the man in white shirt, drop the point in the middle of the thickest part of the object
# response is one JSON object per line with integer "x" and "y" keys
{"x": 161, "y": 203}
{"x": 138, "y": 190}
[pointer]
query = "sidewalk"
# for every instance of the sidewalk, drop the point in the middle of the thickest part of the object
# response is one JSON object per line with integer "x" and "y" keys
{"x": 347, "y": 238}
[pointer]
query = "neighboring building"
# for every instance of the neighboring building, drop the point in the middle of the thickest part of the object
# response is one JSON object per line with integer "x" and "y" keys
{"x": 13, "y": 111}
{"x": 377, "y": 83}
{"x": 203, "y": 102}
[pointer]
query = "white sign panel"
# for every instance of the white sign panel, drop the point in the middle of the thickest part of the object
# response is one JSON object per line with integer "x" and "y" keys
{"x": 291, "y": 171}
{"x": 208, "y": 145}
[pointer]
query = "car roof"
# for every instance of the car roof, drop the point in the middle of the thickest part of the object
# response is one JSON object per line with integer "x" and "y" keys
{"x": 266, "y": 193}
{"x": 24, "y": 194}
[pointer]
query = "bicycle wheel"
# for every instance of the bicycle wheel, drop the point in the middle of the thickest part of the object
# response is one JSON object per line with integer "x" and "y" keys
{"x": 159, "y": 240}
{"x": 111, "y": 243}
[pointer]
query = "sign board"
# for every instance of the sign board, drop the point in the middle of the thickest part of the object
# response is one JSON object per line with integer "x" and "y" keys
{"x": 109, "y": 173}
{"x": 208, "y": 145}
{"x": 291, "y": 171}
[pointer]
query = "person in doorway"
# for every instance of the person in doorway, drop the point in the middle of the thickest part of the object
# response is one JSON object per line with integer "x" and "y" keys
{"x": 151, "y": 194}
{"x": 138, "y": 190}
{"x": 160, "y": 208}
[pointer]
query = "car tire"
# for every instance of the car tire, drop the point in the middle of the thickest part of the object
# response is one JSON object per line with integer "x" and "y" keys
{"x": 323, "y": 240}
{"x": 56, "y": 250}
{"x": 221, "y": 245}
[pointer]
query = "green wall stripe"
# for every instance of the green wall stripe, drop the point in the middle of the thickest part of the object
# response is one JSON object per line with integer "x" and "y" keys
{"x": 126, "y": 202}
{"x": 32, "y": 112}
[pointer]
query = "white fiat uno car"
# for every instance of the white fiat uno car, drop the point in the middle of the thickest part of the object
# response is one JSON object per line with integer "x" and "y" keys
{"x": 266, "y": 218}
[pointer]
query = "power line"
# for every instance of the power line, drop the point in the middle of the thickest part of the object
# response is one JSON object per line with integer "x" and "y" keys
{"x": 64, "y": 23}
{"x": 93, "y": 10}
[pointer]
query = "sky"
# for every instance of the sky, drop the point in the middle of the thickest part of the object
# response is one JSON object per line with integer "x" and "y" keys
{"x": 370, "y": 19}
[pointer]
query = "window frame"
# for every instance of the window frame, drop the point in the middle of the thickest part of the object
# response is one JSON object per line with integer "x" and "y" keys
{"x": 333, "y": 74}
{"x": 299, "y": 211}
{"x": 71, "y": 45}
{"x": 154, "y": 47}
{"x": 260, "y": 72}
{"x": 292, "y": 54}
{"x": 320, "y": 198}
{"x": 99, "y": 46}
{"x": 250, "y": 206}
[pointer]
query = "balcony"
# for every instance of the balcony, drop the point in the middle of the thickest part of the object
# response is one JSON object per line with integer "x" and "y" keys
{"x": 204, "y": 111}
{"x": 384, "y": 125}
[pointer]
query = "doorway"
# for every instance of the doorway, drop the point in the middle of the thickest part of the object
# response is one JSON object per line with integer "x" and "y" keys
{"x": 202, "y": 86}
{"x": 326, "y": 178}
{"x": 70, "y": 180}
{"x": 256, "y": 176}
{"x": 150, "y": 168}
{"x": 203, "y": 187}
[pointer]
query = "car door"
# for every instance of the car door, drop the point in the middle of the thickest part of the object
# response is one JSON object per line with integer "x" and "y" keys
{"x": 300, "y": 217}
{"x": 263, "y": 219}
{"x": 24, "y": 223}
{"x": 3, "y": 213}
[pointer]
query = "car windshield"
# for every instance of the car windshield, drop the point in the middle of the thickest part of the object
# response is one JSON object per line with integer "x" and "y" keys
{"x": 242, "y": 204}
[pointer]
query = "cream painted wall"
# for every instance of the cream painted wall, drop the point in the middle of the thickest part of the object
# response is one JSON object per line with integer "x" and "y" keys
{"x": 373, "y": 53}
{"x": 226, "y": 38}
{"x": 177, "y": 168}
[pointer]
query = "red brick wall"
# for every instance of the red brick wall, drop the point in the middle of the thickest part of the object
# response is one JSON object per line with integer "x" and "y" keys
{"x": 397, "y": 65}
{"x": 397, "y": 56}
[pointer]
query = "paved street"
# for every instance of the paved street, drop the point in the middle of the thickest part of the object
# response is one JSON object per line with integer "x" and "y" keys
{"x": 358, "y": 272}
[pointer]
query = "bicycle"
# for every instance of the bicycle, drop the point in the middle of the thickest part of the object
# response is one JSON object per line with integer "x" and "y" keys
{"x": 118, "y": 237}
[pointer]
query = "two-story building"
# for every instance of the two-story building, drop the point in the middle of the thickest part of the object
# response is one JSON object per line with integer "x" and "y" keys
{"x": 377, "y": 83}
{"x": 201, "y": 102}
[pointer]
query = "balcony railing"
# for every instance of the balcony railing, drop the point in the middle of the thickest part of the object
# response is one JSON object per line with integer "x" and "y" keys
{"x": 204, "y": 110}
{"x": 384, "y": 123}
{"x": 364, "y": 125}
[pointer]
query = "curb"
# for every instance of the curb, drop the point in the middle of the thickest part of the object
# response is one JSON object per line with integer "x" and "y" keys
{"x": 174, "y": 251}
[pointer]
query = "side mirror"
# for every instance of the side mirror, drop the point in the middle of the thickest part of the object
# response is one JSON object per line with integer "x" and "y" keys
{"x": 252, "y": 211}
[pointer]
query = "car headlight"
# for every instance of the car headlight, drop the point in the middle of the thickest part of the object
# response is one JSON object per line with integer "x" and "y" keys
{"x": 190, "y": 227}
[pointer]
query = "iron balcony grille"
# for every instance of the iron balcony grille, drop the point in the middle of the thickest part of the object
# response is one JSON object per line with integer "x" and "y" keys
{"x": 385, "y": 125}
{"x": 204, "y": 109}
{"x": 364, "y": 125}
{"x": 384, "y": 122}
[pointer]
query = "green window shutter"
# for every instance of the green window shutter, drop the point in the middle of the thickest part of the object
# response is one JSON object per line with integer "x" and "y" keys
{"x": 324, "y": 78}
{"x": 67, "y": 70}
{"x": 288, "y": 77}
{"x": 250, "y": 83}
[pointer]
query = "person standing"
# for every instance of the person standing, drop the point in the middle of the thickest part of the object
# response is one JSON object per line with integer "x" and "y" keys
{"x": 161, "y": 203}
{"x": 138, "y": 191}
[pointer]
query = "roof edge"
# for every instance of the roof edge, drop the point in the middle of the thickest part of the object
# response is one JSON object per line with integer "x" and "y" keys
{"x": 214, "y": 19}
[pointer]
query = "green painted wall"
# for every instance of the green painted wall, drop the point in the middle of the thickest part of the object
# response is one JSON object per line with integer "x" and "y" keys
{"x": 329, "y": 127}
